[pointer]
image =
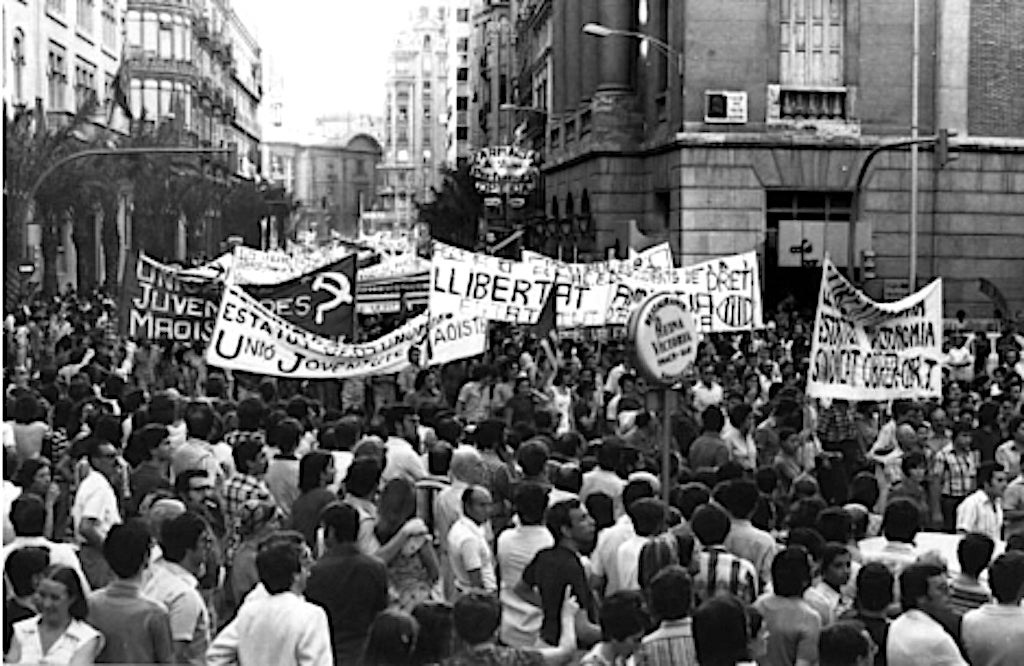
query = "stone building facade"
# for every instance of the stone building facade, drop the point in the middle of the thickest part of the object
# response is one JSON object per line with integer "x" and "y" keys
{"x": 749, "y": 133}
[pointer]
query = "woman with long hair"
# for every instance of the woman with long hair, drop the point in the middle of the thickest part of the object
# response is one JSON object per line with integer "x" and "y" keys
{"x": 413, "y": 572}
{"x": 59, "y": 634}
{"x": 391, "y": 640}
{"x": 316, "y": 472}
{"x": 35, "y": 476}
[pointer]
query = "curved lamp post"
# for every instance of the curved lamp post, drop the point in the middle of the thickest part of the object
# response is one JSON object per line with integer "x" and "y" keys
{"x": 598, "y": 30}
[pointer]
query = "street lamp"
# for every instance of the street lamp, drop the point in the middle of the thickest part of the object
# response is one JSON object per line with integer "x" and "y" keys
{"x": 598, "y": 30}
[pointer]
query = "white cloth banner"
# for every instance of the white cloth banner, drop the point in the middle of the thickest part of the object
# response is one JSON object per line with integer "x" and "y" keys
{"x": 864, "y": 350}
{"x": 250, "y": 266}
{"x": 722, "y": 294}
{"x": 250, "y": 338}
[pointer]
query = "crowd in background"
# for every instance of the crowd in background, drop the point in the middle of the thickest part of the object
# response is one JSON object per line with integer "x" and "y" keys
{"x": 507, "y": 509}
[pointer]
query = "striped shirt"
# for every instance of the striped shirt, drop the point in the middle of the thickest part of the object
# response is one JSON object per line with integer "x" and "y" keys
{"x": 966, "y": 594}
{"x": 955, "y": 471}
{"x": 671, "y": 645}
{"x": 720, "y": 572}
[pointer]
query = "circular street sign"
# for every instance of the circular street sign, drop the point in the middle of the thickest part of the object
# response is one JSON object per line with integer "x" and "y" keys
{"x": 664, "y": 338}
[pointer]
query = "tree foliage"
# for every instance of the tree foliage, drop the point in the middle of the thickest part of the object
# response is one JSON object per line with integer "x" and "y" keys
{"x": 454, "y": 213}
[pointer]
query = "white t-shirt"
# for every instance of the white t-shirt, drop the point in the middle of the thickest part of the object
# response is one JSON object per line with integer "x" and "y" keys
{"x": 520, "y": 620}
{"x": 95, "y": 499}
{"x": 628, "y": 563}
{"x": 469, "y": 550}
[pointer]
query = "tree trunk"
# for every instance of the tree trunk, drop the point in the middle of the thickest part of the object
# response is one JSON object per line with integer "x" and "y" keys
{"x": 49, "y": 244}
{"x": 83, "y": 233}
{"x": 111, "y": 243}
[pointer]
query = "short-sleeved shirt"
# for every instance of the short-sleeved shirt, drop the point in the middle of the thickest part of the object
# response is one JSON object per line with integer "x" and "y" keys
{"x": 178, "y": 590}
{"x": 469, "y": 550}
{"x": 63, "y": 649}
{"x": 137, "y": 629}
{"x": 980, "y": 513}
{"x": 955, "y": 471}
{"x": 96, "y": 499}
{"x": 793, "y": 628}
{"x": 721, "y": 572}
{"x": 550, "y": 573}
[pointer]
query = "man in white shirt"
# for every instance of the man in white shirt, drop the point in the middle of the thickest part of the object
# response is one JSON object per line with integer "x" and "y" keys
{"x": 1010, "y": 453}
{"x": 402, "y": 459}
{"x": 520, "y": 620}
{"x": 994, "y": 633}
{"x": 604, "y": 560}
{"x": 28, "y": 516}
{"x": 603, "y": 478}
{"x": 707, "y": 391}
{"x": 982, "y": 510}
{"x": 185, "y": 542}
{"x": 95, "y": 510}
{"x": 915, "y": 639}
{"x": 469, "y": 550}
{"x": 648, "y": 516}
{"x": 283, "y": 628}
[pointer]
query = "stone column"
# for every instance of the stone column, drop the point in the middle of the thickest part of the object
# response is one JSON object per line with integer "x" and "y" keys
{"x": 616, "y": 51}
{"x": 952, "y": 55}
{"x": 573, "y": 52}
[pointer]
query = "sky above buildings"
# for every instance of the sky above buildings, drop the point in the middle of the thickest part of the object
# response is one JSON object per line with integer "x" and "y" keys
{"x": 330, "y": 55}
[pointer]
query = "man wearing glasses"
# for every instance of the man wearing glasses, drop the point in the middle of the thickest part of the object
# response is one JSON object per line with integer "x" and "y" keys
{"x": 95, "y": 510}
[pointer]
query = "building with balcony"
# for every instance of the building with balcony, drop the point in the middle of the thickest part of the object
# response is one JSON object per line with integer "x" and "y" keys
{"x": 749, "y": 135}
{"x": 415, "y": 144}
{"x": 333, "y": 181}
{"x": 196, "y": 63}
{"x": 57, "y": 55}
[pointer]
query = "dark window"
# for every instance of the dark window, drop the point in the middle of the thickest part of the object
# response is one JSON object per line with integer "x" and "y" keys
{"x": 462, "y": 15}
{"x": 462, "y": 74}
{"x": 462, "y": 44}
{"x": 462, "y": 133}
{"x": 461, "y": 103}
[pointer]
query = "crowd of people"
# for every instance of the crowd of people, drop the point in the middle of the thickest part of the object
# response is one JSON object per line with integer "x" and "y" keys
{"x": 508, "y": 509}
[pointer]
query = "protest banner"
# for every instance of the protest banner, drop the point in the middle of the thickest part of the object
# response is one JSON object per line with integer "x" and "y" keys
{"x": 264, "y": 267}
{"x": 864, "y": 350}
{"x": 160, "y": 302}
{"x": 491, "y": 287}
{"x": 722, "y": 294}
{"x": 322, "y": 301}
{"x": 251, "y": 338}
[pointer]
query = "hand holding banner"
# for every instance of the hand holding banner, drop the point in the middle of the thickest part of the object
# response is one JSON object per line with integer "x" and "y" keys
{"x": 864, "y": 350}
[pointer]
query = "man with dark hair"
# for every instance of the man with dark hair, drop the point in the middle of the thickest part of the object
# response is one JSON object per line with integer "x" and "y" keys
{"x": 197, "y": 452}
{"x": 28, "y": 518}
{"x": 739, "y": 497}
{"x": 952, "y": 477}
{"x": 95, "y": 509}
{"x": 282, "y": 475}
{"x": 521, "y": 621}
{"x": 737, "y": 436}
{"x": 874, "y": 596}
{"x": 671, "y": 644}
{"x": 545, "y": 579}
{"x": 793, "y": 626}
{"x": 402, "y": 458}
{"x": 361, "y": 483}
{"x": 247, "y": 483}
{"x": 349, "y": 585}
{"x": 994, "y": 633}
{"x": 22, "y": 571}
{"x": 895, "y": 548}
{"x": 982, "y": 510}
{"x": 604, "y": 559}
{"x": 476, "y": 618}
{"x": 185, "y": 542}
{"x": 137, "y": 628}
{"x": 717, "y": 570}
{"x": 845, "y": 643}
{"x": 283, "y": 628}
{"x": 604, "y": 477}
{"x": 709, "y": 451}
{"x": 966, "y": 591}
{"x": 915, "y": 638}
{"x": 648, "y": 516}
{"x": 154, "y": 472}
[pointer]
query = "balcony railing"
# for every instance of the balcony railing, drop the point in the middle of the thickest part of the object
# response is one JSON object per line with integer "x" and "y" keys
{"x": 794, "y": 104}
{"x": 149, "y": 63}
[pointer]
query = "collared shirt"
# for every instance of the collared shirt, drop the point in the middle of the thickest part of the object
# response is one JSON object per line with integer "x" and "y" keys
{"x": 754, "y": 545}
{"x": 469, "y": 550}
{"x": 474, "y": 402}
{"x": 827, "y": 602}
{"x": 896, "y": 555}
{"x": 282, "y": 629}
{"x": 137, "y": 628}
{"x": 95, "y": 498}
{"x": 980, "y": 513}
{"x": 915, "y": 639}
{"x": 721, "y": 572}
{"x": 628, "y": 562}
{"x": 670, "y": 645}
{"x": 993, "y": 635}
{"x": 604, "y": 560}
{"x": 77, "y": 634}
{"x": 520, "y": 621}
{"x": 955, "y": 471}
{"x": 1013, "y": 500}
{"x": 178, "y": 590}
{"x": 402, "y": 461}
{"x": 742, "y": 448}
